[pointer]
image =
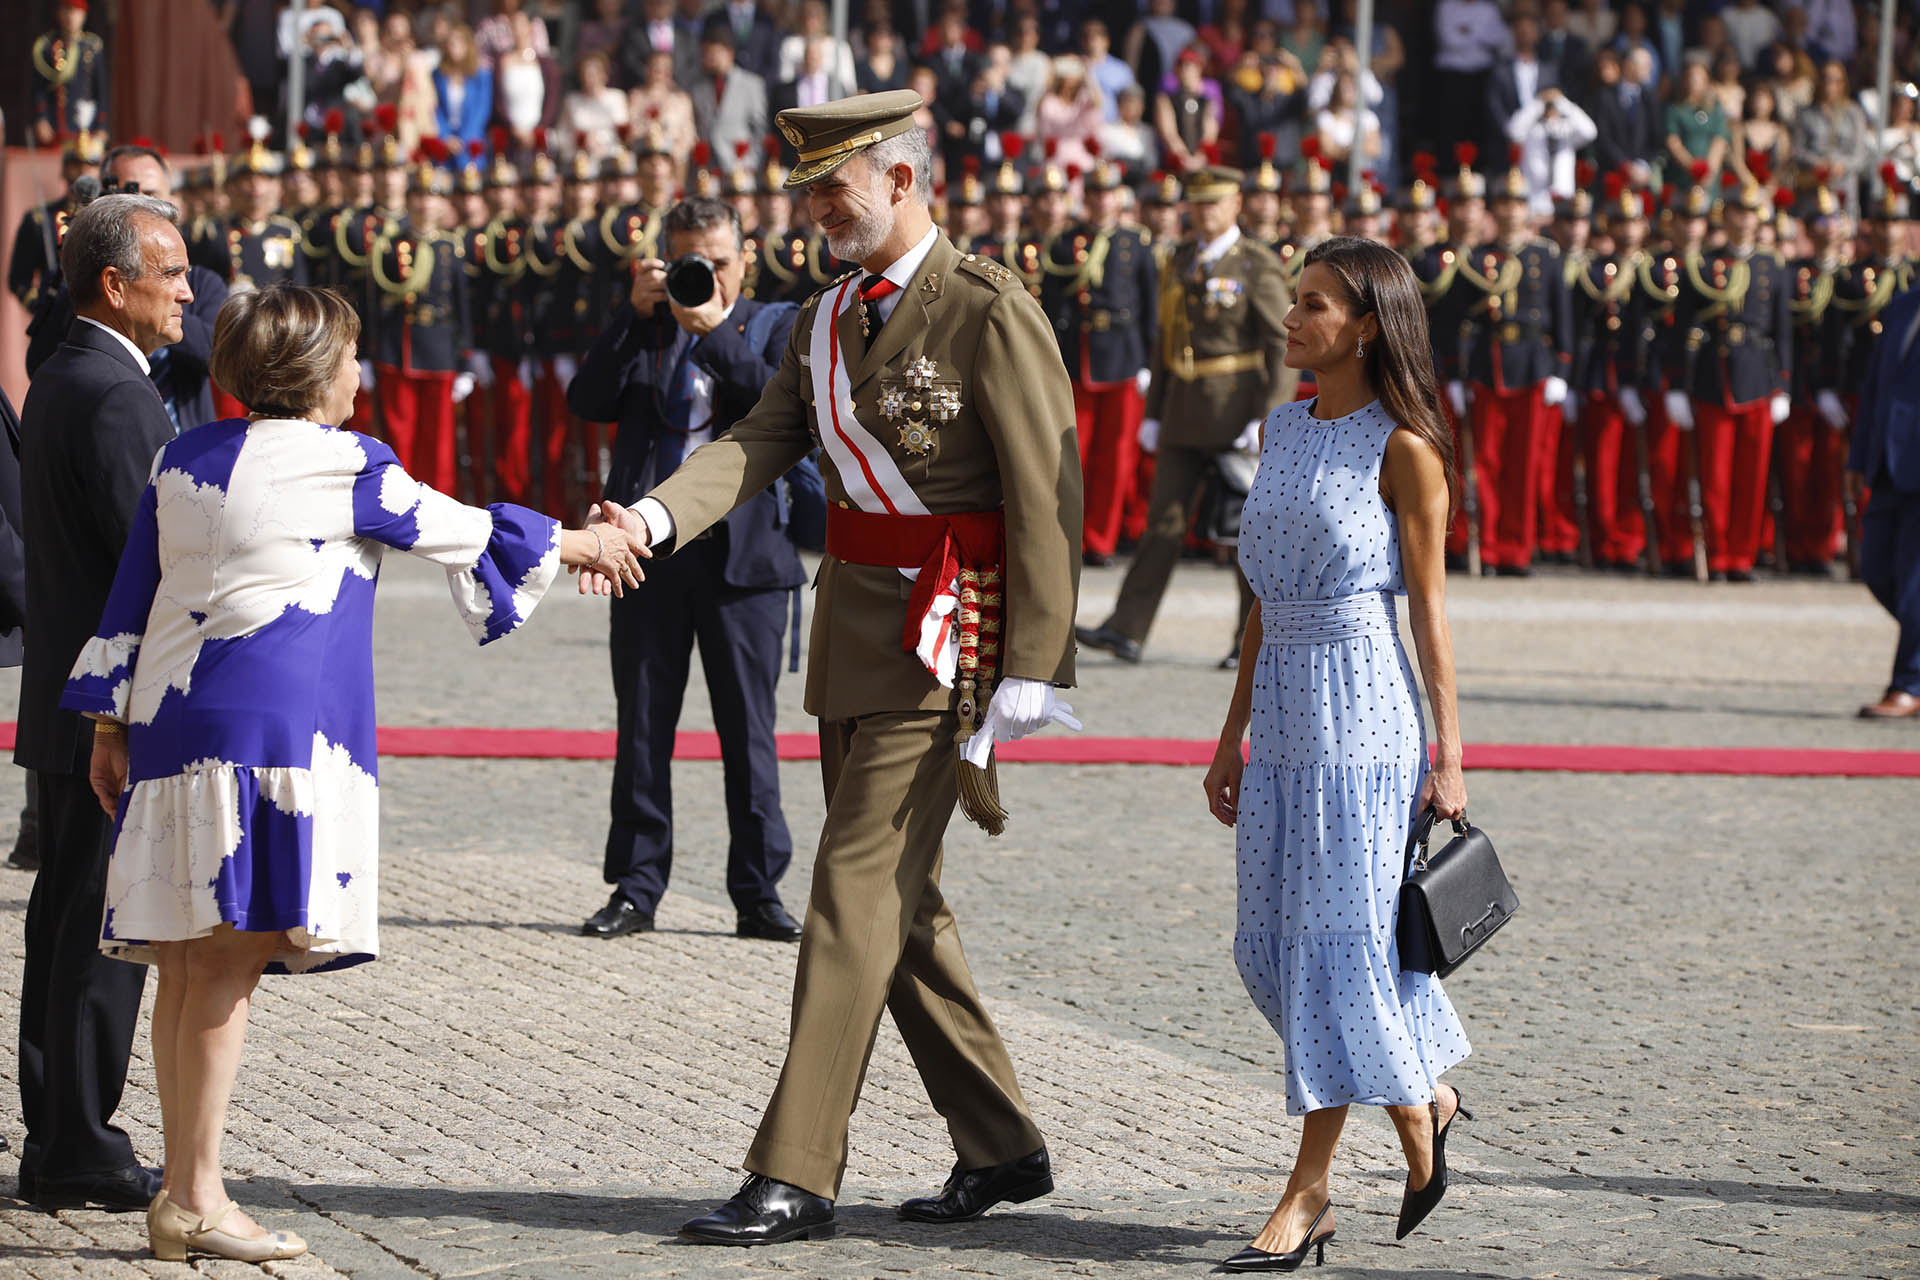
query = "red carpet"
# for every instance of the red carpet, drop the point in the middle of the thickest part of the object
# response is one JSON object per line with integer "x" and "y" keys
{"x": 1065, "y": 748}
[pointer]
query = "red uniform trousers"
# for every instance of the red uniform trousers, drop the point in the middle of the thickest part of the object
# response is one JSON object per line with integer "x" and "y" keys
{"x": 418, "y": 408}
{"x": 363, "y": 419}
{"x": 1457, "y": 531}
{"x": 1812, "y": 458}
{"x": 224, "y": 405}
{"x": 570, "y": 448}
{"x": 1734, "y": 458}
{"x": 1508, "y": 428}
{"x": 1107, "y": 418}
{"x": 512, "y": 444}
{"x": 1614, "y": 521}
{"x": 1559, "y": 506}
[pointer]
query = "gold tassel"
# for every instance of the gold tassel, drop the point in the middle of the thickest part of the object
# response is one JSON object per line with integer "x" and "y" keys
{"x": 980, "y": 794}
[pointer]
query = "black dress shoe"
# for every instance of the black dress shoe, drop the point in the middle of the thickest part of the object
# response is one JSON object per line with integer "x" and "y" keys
{"x": 1416, "y": 1205}
{"x": 1513, "y": 571}
{"x": 764, "y": 1211}
{"x": 1096, "y": 559}
{"x": 1231, "y": 662}
{"x": 768, "y": 920}
{"x": 971, "y": 1192}
{"x": 617, "y": 919}
{"x": 1104, "y": 637}
{"x": 133, "y": 1187}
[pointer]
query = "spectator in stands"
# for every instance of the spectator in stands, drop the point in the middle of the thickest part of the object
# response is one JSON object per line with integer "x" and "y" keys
{"x": 401, "y": 73}
{"x": 812, "y": 84}
{"x": 1129, "y": 140}
{"x": 1900, "y": 141}
{"x": 658, "y": 100}
{"x": 1727, "y": 86}
{"x": 1112, "y": 74}
{"x": 955, "y": 56}
{"x": 1069, "y": 112}
{"x": 1029, "y": 68}
{"x": 1565, "y": 50}
{"x": 1626, "y": 116}
{"x": 1188, "y": 115}
{"x": 1517, "y": 82}
{"x": 1225, "y": 36}
{"x": 1633, "y": 35}
{"x": 1833, "y": 131}
{"x": 729, "y": 101}
{"x": 1469, "y": 37}
{"x": 1832, "y": 32}
{"x": 973, "y": 117}
{"x": 596, "y": 108}
{"x": 1792, "y": 75}
{"x": 1751, "y": 27}
{"x": 1155, "y": 44}
{"x": 1277, "y": 105}
{"x": 462, "y": 90}
{"x": 1384, "y": 62}
{"x": 660, "y": 29}
{"x": 882, "y": 68}
{"x": 1667, "y": 29}
{"x": 756, "y": 40}
{"x": 526, "y": 84}
{"x": 1760, "y": 130}
{"x": 1696, "y": 127}
{"x": 1550, "y": 129}
{"x": 816, "y": 24}
{"x": 1307, "y": 35}
{"x": 1344, "y": 124}
{"x": 498, "y": 37}
{"x": 605, "y": 32}
{"x": 1595, "y": 22}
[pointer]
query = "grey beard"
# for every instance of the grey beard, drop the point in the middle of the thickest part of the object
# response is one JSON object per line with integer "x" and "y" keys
{"x": 859, "y": 241}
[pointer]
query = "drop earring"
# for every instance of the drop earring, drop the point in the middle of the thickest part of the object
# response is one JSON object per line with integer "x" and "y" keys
{"x": 1360, "y": 349}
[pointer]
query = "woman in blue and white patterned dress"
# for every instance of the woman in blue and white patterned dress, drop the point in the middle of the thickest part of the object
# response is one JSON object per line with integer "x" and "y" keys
{"x": 1349, "y": 508}
{"x": 231, "y": 688}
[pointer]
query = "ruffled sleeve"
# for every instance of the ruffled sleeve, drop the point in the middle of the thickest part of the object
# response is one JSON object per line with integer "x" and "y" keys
{"x": 101, "y": 683}
{"x": 500, "y": 560}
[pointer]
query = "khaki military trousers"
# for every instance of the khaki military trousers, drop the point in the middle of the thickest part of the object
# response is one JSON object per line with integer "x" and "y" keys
{"x": 1179, "y": 473}
{"x": 878, "y": 935}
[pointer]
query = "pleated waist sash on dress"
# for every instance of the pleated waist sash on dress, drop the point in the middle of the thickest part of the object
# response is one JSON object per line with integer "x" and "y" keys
{"x": 1368, "y": 614}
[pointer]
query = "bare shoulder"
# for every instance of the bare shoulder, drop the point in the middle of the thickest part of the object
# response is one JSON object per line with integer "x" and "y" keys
{"x": 1412, "y": 466}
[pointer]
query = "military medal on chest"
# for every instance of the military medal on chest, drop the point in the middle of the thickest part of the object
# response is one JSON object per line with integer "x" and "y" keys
{"x": 917, "y": 402}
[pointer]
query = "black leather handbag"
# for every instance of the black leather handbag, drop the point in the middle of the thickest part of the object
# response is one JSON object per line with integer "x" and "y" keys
{"x": 1453, "y": 901}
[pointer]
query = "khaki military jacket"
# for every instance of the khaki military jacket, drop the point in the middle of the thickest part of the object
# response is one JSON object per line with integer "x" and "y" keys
{"x": 1010, "y": 444}
{"x": 1229, "y": 312}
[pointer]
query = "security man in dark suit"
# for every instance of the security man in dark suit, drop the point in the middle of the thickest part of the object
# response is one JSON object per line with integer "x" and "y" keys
{"x": 1102, "y": 293}
{"x": 1885, "y": 458}
{"x": 673, "y": 377}
{"x": 89, "y": 430}
{"x": 13, "y": 611}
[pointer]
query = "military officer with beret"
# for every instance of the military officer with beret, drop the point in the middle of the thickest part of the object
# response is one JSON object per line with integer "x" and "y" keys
{"x": 1217, "y": 371}
{"x": 1735, "y": 369}
{"x": 935, "y": 390}
{"x": 1102, "y": 294}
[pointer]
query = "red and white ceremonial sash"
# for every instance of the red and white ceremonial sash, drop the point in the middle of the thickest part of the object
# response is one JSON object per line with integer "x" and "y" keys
{"x": 872, "y": 479}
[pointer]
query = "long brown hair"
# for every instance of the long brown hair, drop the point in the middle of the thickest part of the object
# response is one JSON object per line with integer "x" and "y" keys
{"x": 1398, "y": 365}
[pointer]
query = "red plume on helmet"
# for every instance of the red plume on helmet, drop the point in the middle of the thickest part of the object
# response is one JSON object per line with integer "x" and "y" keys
{"x": 1423, "y": 162}
{"x": 1760, "y": 167}
{"x": 540, "y": 139}
{"x": 1613, "y": 184}
{"x": 303, "y": 129}
{"x": 1698, "y": 169}
{"x": 387, "y": 116}
{"x": 1646, "y": 203}
{"x": 1888, "y": 173}
{"x": 435, "y": 148}
{"x": 702, "y": 154}
{"x": 579, "y": 139}
{"x": 1513, "y": 154}
{"x": 1729, "y": 179}
{"x": 1175, "y": 164}
{"x": 1092, "y": 147}
{"x": 771, "y": 144}
{"x": 1050, "y": 147}
{"x": 1465, "y": 153}
{"x": 1012, "y": 144}
{"x": 1783, "y": 198}
{"x": 144, "y": 141}
{"x": 1267, "y": 144}
{"x": 1666, "y": 193}
{"x": 335, "y": 121}
{"x": 497, "y": 136}
{"x": 1310, "y": 148}
{"x": 476, "y": 149}
{"x": 970, "y": 163}
{"x": 1584, "y": 173}
{"x": 217, "y": 142}
{"x": 1339, "y": 192}
{"x": 740, "y": 148}
{"x": 1073, "y": 173}
{"x": 624, "y": 131}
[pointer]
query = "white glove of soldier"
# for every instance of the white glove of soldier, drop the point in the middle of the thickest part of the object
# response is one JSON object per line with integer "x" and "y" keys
{"x": 481, "y": 368}
{"x": 1019, "y": 707}
{"x": 1150, "y": 435}
{"x": 462, "y": 386}
{"x": 1554, "y": 392}
{"x": 1632, "y": 407}
{"x": 1143, "y": 380}
{"x": 1779, "y": 407}
{"x": 366, "y": 375}
{"x": 1831, "y": 409}
{"x": 564, "y": 367}
{"x": 1248, "y": 441}
{"x": 1457, "y": 397}
{"x": 527, "y": 372}
{"x": 1680, "y": 410}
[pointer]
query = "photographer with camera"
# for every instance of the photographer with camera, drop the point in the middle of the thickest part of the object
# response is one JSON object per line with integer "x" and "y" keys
{"x": 679, "y": 362}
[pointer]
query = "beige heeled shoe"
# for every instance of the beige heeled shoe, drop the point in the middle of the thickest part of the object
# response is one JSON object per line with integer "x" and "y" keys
{"x": 172, "y": 1231}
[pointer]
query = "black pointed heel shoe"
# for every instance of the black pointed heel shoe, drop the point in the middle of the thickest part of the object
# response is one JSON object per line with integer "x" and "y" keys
{"x": 1416, "y": 1205}
{"x": 1251, "y": 1259}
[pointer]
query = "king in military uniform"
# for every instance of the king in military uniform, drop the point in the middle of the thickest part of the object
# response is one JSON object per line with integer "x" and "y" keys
{"x": 936, "y": 393}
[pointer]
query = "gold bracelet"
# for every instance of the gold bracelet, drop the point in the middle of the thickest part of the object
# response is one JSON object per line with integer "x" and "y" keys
{"x": 600, "y": 543}
{"x": 109, "y": 729}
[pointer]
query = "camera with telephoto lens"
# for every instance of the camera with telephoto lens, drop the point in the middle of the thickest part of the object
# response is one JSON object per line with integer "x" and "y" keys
{"x": 690, "y": 280}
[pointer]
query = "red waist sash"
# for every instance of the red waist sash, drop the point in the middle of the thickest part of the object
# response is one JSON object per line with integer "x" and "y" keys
{"x": 940, "y": 546}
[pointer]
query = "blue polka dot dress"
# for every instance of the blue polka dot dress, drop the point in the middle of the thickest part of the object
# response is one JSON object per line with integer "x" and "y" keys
{"x": 1338, "y": 756}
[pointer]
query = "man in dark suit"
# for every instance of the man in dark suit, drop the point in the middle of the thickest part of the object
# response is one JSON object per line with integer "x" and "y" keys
{"x": 1885, "y": 458}
{"x": 973, "y": 117}
{"x": 1626, "y": 114}
{"x": 13, "y": 609}
{"x": 657, "y": 29}
{"x": 755, "y": 38}
{"x": 90, "y": 427}
{"x": 1518, "y": 80}
{"x": 673, "y": 377}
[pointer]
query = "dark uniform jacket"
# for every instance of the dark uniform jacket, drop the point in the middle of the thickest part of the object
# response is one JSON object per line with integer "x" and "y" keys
{"x": 1861, "y": 292}
{"x": 1616, "y": 324}
{"x": 57, "y": 102}
{"x": 1735, "y": 313}
{"x": 1227, "y": 313}
{"x": 502, "y": 327}
{"x": 28, "y": 266}
{"x": 1102, "y": 294}
{"x": 626, "y": 378}
{"x": 1814, "y": 347}
{"x": 1523, "y": 317}
{"x": 1448, "y": 297}
{"x": 253, "y": 256}
{"x": 1886, "y": 443}
{"x": 13, "y": 552}
{"x": 420, "y": 284}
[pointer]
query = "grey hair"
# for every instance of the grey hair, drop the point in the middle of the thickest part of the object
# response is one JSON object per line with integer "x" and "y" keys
{"x": 909, "y": 148}
{"x": 107, "y": 234}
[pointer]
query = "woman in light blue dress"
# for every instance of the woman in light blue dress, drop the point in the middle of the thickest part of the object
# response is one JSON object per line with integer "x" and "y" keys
{"x": 1349, "y": 509}
{"x": 231, "y": 689}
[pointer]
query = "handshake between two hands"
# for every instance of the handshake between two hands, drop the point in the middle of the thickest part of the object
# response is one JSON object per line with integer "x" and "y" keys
{"x": 608, "y": 551}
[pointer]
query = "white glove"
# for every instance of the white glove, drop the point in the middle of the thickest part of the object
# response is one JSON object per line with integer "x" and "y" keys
{"x": 1457, "y": 397}
{"x": 481, "y": 368}
{"x": 1680, "y": 410}
{"x": 1555, "y": 391}
{"x": 1019, "y": 707}
{"x": 1779, "y": 407}
{"x": 462, "y": 386}
{"x": 527, "y": 372}
{"x": 1143, "y": 380}
{"x": 1150, "y": 434}
{"x": 1831, "y": 409}
{"x": 1631, "y": 406}
{"x": 366, "y": 375}
{"x": 564, "y": 367}
{"x": 1248, "y": 441}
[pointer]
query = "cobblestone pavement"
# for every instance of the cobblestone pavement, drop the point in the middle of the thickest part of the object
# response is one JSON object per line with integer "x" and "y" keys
{"x": 1694, "y": 1050}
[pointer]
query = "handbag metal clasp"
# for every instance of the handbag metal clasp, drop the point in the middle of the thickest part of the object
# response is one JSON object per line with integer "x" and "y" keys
{"x": 1467, "y": 931}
